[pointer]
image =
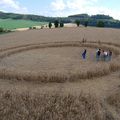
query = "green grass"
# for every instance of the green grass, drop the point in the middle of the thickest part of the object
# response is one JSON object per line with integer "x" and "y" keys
{"x": 13, "y": 24}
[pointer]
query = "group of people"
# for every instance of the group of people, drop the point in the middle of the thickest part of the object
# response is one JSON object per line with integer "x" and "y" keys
{"x": 101, "y": 55}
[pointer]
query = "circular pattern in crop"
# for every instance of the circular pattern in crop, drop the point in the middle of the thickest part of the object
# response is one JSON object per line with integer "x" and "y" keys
{"x": 56, "y": 62}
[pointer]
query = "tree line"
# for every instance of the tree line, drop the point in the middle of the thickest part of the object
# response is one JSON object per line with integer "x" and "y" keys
{"x": 57, "y": 24}
{"x": 77, "y": 22}
{"x": 2, "y": 30}
{"x": 86, "y": 23}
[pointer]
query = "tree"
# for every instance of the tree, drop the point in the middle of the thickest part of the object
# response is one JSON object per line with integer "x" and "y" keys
{"x": 77, "y": 22}
{"x": 34, "y": 27}
{"x": 1, "y": 30}
{"x": 50, "y": 25}
{"x": 86, "y": 23}
{"x": 30, "y": 28}
{"x": 100, "y": 24}
{"x": 61, "y": 24}
{"x": 56, "y": 23}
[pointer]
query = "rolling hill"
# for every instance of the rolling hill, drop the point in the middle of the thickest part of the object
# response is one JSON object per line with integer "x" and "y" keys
{"x": 92, "y": 20}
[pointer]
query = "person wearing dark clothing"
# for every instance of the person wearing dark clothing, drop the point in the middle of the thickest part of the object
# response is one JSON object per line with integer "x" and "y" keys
{"x": 98, "y": 53}
{"x": 109, "y": 55}
{"x": 84, "y": 54}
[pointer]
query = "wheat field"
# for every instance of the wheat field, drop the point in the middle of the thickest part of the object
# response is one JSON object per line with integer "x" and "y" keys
{"x": 43, "y": 75}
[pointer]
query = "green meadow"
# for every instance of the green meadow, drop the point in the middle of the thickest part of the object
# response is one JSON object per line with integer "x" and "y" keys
{"x": 14, "y": 24}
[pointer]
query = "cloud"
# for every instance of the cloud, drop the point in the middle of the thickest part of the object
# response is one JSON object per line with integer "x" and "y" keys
{"x": 78, "y": 4}
{"x": 68, "y": 7}
{"x": 12, "y": 5}
{"x": 58, "y": 5}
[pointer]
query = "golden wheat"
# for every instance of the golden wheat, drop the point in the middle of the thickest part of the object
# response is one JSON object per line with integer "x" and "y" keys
{"x": 24, "y": 106}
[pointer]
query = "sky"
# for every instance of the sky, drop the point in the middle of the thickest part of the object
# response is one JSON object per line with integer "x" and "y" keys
{"x": 62, "y": 8}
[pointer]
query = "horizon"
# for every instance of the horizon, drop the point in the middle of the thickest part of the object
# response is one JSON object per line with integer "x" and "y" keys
{"x": 54, "y": 16}
{"x": 62, "y": 8}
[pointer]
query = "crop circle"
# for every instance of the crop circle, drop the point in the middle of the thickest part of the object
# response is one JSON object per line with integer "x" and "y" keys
{"x": 54, "y": 62}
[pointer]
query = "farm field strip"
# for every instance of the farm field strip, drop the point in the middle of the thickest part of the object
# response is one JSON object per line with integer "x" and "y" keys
{"x": 14, "y": 24}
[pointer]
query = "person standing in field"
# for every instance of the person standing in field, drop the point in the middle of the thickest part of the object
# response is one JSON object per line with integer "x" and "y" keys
{"x": 84, "y": 54}
{"x": 109, "y": 55}
{"x": 102, "y": 55}
{"x": 105, "y": 55}
{"x": 98, "y": 53}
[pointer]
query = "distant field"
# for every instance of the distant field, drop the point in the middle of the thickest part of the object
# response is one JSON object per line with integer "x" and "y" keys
{"x": 13, "y": 24}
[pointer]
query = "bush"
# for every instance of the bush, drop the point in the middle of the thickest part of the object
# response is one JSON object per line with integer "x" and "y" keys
{"x": 100, "y": 24}
{"x": 56, "y": 23}
{"x": 4, "y": 30}
{"x": 42, "y": 27}
{"x": 34, "y": 27}
{"x": 50, "y": 25}
{"x": 30, "y": 28}
{"x": 61, "y": 24}
{"x": 1, "y": 30}
{"x": 77, "y": 22}
{"x": 86, "y": 23}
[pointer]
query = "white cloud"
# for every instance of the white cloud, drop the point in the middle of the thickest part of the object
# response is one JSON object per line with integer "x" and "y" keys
{"x": 58, "y": 5}
{"x": 78, "y": 4}
{"x": 14, "y": 5}
{"x": 71, "y": 4}
{"x": 68, "y": 7}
